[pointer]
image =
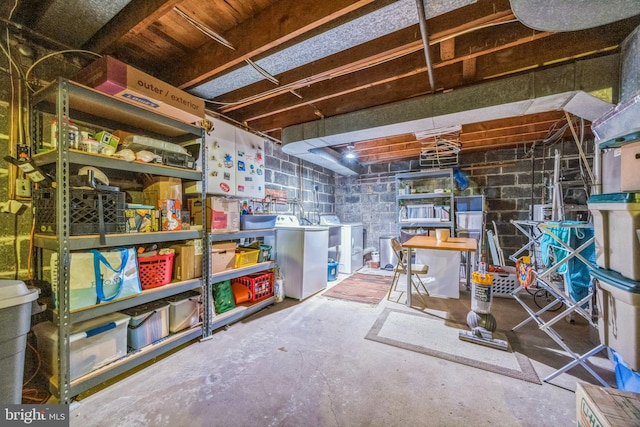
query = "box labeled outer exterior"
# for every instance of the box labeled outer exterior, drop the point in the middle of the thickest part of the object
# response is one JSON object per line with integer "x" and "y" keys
{"x": 115, "y": 78}
{"x": 223, "y": 256}
{"x": 598, "y": 406}
{"x": 93, "y": 344}
{"x": 185, "y": 266}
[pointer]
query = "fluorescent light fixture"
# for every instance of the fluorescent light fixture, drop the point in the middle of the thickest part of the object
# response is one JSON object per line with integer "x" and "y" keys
{"x": 350, "y": 154}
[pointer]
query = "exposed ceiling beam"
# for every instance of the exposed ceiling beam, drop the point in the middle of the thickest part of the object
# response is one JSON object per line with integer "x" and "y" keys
{"x": 375, "y": 84}
{"x": 293, "y": 18}
{"x": 395, "y": 45}
{"x": 131, "y": 20}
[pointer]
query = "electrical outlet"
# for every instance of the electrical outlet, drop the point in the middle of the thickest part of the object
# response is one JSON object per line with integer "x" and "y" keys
{"x": 23, "y": 188}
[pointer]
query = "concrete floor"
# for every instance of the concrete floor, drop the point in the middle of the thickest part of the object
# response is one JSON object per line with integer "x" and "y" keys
{"x": 308, "y": 364}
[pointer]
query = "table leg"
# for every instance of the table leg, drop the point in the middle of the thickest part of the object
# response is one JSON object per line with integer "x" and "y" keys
{"x": 408, "y": 264}
{"x": 468, "y": 271}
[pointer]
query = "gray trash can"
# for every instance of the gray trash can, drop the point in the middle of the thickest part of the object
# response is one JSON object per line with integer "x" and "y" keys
{"x": 388, "y": 258}
{"x": 15, "y": 322}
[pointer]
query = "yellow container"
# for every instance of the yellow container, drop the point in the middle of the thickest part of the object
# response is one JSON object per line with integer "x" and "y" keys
{"x": 482, "y": 279}
{"x": 245, "y": 257}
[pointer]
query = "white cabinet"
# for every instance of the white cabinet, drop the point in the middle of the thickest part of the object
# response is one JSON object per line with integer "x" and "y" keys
{"x": 221, "y": 158}
{"x": 249, "y": 165}
{"x": 235, "y": 162}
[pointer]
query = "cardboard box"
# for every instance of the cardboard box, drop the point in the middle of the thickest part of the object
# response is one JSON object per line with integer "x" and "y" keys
{"x": 115, "y": 78}
{"x": 598, "y": 406}
{"x": 198, "y": 245}
{"x": 195, "y": 211}
{"x": 171, "y": 214}
{"x": 223, "y": 256}
{"x": 107, "y": 141}
{"x": 161, "y": 188}
{"x": 223, "y": 215}
{"x": 142, "y": 219}
{"x": 184, "y": 262}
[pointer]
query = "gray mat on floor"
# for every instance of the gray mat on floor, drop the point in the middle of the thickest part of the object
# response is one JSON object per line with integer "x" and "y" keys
{"x": 431, "y": 336}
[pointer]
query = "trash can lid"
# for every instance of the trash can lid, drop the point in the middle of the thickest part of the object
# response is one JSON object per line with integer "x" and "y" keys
{"x": 15, "y": 292}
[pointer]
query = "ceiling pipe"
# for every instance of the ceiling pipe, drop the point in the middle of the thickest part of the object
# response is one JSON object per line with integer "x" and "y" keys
{"x": 422, "y": 17}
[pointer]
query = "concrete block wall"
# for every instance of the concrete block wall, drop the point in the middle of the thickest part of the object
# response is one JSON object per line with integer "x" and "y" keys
{"x": 511, "y": 180}
{"x": 310, "y": 189}
{"x": 15, "y": 229}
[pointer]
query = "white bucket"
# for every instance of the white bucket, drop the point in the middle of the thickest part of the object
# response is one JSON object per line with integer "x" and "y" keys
{"x": 375, "y": 256}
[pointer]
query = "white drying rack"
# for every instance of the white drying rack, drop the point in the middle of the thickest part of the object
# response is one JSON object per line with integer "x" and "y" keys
{"x": 534, "y": 231}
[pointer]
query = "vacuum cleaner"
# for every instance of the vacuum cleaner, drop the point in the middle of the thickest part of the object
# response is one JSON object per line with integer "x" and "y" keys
{"x": 480, "y": 319}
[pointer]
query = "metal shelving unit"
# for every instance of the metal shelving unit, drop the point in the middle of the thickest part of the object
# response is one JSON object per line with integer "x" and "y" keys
{"x": 421, "y": 195}
{"x": 66, "y": 99}
{"x": 474, "y": 226}
{"x": 241, "y": 311}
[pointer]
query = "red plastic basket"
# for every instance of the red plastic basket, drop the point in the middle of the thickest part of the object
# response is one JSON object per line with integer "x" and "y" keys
{"x": 260, "y": 285}
{"x": 155, "y": 270}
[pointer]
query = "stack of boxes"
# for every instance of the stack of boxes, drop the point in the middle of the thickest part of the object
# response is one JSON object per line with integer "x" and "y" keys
{"x": 616, "y": 221}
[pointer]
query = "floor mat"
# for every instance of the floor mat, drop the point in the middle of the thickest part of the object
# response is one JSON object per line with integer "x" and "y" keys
{"x": 427, "y": 335}
{"x": 366, "y": 288}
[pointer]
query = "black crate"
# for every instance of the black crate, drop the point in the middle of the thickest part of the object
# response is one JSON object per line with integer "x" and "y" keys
{"x": 83, "y": 211}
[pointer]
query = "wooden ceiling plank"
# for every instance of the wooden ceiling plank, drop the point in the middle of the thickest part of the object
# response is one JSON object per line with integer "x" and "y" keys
{"x": 282, "y": 21}
{"x": 136, "y": 16}
{"x": 396, "y": 45}
{"x": 469, "y": 69}
{"x": 448, "y": 79}
{"x": 412, "y": 47}
{"x": 447, "y": 49}
{"x": 566, "y": 46}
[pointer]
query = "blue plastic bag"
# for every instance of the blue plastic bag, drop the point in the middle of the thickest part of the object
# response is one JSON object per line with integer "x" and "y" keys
{"x": 626, "y": 379}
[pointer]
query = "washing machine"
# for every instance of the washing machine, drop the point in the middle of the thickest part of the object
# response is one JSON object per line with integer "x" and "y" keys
{"x": 297, "y": 249}
{"x": 350, "y": 253}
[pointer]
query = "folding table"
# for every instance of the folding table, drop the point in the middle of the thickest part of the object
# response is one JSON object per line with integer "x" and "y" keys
{"x": 534, "y": 231}
{"x": 458, "y": 244}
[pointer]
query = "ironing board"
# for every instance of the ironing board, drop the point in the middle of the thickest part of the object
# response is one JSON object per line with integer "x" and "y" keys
{"x": 535, "y": 231}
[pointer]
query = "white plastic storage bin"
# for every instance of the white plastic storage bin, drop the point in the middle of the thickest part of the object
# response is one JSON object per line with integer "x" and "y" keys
{"x": 616, "y": 219}
{"x": 92, "y": 344}
{"x": 148, "y": 324}
{"x": 469, "y": 220}
{"x": 184, "y": 310}
{"x": 619, "y": 314}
